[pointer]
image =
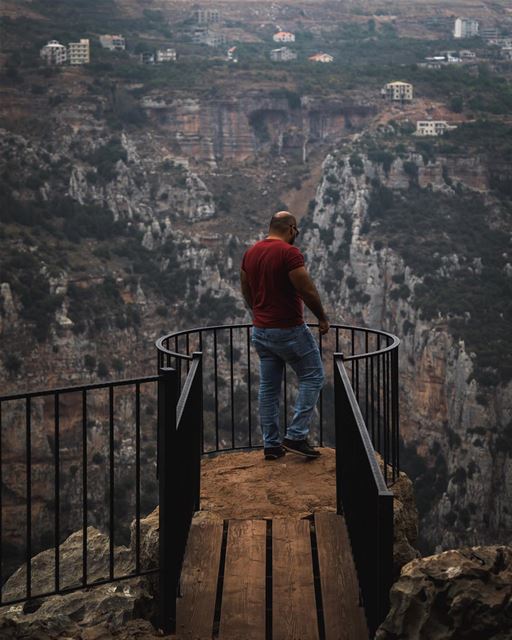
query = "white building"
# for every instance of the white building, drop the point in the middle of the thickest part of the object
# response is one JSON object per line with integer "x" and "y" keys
{"x": 397, "y": 91}
{"x": 321, "y": 57}
{"x": 113, "y": 42}
{"x": 465, "y": 54}
{"x": 54, "y": 53}
{"x": 79, "y": 52}
{"x": 282, "y": 55}
{"x": 206, "y": 16}
{"x": 465, "y": 28}
{"x": 211, "y": 37}
{"x": 283, "y": 36}
{"x": 432, "y": 127}
{"x": 232, "y": 55}
{"x": 489, "y": 33}
{"x": 166, "y": 55}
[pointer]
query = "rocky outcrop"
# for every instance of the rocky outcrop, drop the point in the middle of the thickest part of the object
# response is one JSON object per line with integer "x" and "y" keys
{"x": 100, "y": 612}
{"x": 465, "y": 593}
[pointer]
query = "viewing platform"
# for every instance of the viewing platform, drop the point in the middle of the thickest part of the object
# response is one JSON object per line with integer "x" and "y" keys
{"x": 324, "y": 574}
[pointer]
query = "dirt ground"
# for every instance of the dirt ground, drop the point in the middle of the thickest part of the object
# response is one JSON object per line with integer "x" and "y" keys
{"x": 244, "y": 485}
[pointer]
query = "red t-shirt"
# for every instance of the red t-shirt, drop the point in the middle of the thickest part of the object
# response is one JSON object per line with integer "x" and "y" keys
{"x": 275, "y": 302}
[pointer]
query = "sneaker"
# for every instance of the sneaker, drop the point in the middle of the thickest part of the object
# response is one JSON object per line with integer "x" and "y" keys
{"x": 273, "y": 453}
{"x": 301, "y": 447}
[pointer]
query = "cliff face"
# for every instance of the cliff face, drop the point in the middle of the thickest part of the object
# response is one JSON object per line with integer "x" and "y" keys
{"x": 214, "y": 130}
{"x": 447, "y": 418}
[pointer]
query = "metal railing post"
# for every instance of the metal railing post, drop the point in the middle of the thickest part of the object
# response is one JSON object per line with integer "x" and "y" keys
{"x": 167, "y": 401}
{"x": 339, "y": 411}
{"x": 198, "y": 427}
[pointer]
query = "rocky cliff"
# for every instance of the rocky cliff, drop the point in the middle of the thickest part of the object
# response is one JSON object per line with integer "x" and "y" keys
{"x": 455, "y": 426}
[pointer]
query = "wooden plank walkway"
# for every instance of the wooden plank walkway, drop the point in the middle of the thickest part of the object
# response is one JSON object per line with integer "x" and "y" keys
{"x": 284, "y": 579}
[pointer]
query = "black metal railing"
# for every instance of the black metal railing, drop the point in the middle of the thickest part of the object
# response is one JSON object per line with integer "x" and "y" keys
{"x": 53, "y": 444}
{"x": 179, "y": 467}
{"x": 231, "y": 377}
{"x": 364, "y": 499}
{"x": 364, "y": 397}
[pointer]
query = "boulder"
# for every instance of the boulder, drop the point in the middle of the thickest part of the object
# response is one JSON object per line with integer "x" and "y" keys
{"x": 106, "y": 608}
{"x": 464, "y": 593}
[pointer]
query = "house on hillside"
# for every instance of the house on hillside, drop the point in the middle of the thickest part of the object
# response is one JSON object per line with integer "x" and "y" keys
{"x": 321, "y": 57}
{"x": 283, "y": 36}
{"x": 232, "y": 55}
{"x": 397, "y": 91}
{"x": 79, "y": 52}
{"x": 113, "y": 42}
{"x": 465, "y": 28}
{"x": 54, "y": 53}
{"x": 432, "y": 127}
{"x": 166, "y": 55}
{"x": 282, "y": 54}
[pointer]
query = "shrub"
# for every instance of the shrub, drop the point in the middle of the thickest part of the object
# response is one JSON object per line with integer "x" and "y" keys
{"x": 103, "y": 371}
{"x": 12, "y": 364}
{"x": 457, "y": 104}
{"x": 356, "y": 164}
{"x": 89, "y": 362}
{"x": 383, "y": 157}
{"x": 351, "y": 282}
{"x": 411, "y": 169}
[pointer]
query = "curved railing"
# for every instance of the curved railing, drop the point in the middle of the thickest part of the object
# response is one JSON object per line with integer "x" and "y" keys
{"x": 230, "y": 383}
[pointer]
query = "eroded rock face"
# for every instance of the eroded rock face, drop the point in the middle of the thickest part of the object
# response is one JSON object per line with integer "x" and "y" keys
{"x": 442, "y": 417}
{"x": 465, "y": 593}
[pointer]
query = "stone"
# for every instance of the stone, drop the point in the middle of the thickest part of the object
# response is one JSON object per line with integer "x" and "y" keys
{"x": 106, "y": 608}
{"x": 464, "y": 593}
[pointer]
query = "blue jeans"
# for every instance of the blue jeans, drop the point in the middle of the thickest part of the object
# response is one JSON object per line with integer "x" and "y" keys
{"x": 297, "y": 347}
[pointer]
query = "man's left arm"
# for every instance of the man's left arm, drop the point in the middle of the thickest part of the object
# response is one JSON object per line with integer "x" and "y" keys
{"x": 246, "y": 290}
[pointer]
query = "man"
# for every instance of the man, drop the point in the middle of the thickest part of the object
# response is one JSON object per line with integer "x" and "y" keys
{"x": 274, "y": 284}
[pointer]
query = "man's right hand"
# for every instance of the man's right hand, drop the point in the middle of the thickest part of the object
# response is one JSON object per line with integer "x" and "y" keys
{"x": 323, "y": 326}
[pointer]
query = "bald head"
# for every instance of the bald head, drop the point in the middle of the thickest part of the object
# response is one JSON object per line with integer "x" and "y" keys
{"x": 283, "y": 225}
{"x": 281, "y": 222}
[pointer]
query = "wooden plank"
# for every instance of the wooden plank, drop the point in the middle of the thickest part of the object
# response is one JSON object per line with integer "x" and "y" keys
{"x": 343, "y": 617}
{"x": 243, "y": 595}
{"x": 196, "y": 607}
{"x": 294, "y": 614}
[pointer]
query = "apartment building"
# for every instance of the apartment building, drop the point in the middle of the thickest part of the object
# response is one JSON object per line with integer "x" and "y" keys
{"x": 397, "y": 91}
{"x": 282, "y": 54}
{"x": 465, "y": 28}
{"x": 210, "y": 37}
{"x": 79, "y": 52}
{"x": 54, "y": 53}
{"x": 206, "y": 16}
